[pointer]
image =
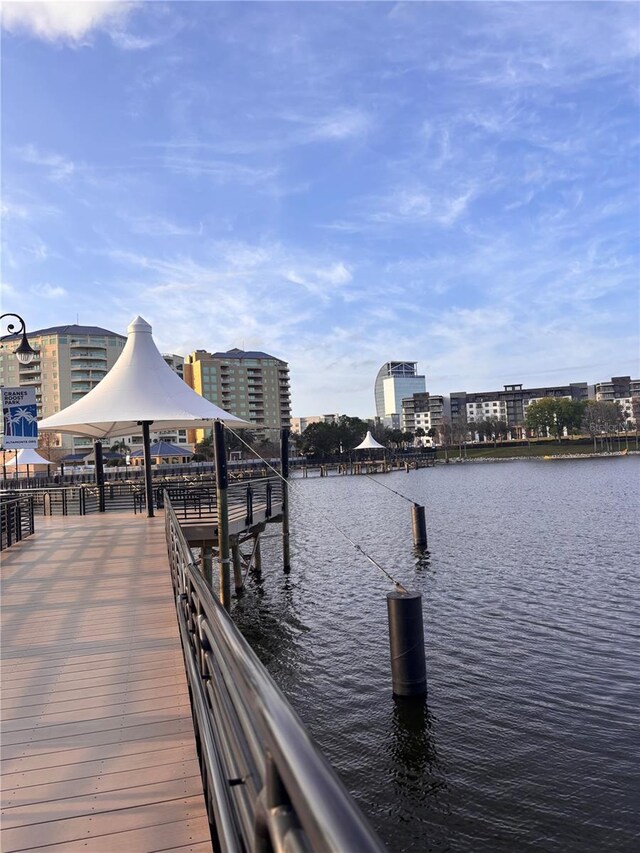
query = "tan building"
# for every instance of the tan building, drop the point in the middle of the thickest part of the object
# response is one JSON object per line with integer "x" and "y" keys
{"x": 252, "y": 385}
{"x": 300, "y": 424}
{"x": 70, "y": 361}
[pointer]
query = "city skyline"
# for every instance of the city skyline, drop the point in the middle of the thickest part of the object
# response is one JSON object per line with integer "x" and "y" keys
{"x": 338, "y": 185}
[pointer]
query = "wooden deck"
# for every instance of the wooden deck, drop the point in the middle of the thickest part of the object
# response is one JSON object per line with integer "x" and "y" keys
{"x": 98, "y": 751}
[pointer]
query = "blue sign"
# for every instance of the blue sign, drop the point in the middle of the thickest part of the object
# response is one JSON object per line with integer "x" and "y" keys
{"x": 20, "y": 415}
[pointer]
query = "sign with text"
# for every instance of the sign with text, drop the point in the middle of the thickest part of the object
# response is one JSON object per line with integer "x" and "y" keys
{"x": 20, "y": 415}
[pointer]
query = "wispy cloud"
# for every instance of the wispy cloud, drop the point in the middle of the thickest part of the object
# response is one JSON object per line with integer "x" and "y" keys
{"x": 58, "y": 167}
{"x": 49, "y": 291}
{"x": 65, "y": 21}
{"x": 156, "y": 226}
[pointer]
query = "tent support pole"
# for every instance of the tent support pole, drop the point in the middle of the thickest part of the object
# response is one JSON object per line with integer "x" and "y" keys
{"x": 148, "y": 487}
{"x": 97, "y": 454}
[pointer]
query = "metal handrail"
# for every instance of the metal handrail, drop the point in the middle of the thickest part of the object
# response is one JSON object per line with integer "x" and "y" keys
{"x": 267, "y": 785}
{"x": 16, "y": 519}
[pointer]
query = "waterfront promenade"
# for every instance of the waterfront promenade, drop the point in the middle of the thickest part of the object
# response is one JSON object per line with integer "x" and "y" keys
{"x": 98, "y": 749}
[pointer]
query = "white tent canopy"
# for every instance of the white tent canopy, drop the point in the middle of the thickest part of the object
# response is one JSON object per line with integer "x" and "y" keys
{"x": 368, "y": 443}
{"x": 139, "y": 387}
{"x": 28, "y": 456}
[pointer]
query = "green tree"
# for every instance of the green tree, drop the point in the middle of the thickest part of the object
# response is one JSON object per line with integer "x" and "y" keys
{"x": 541, "y": 417}
{"x": 600, "y": 419}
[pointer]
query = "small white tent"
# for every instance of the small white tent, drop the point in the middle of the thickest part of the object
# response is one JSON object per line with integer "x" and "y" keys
{"x": 28, "y": 456}
{"x": 369, "y": 443}
{"x": 25, "y": 460}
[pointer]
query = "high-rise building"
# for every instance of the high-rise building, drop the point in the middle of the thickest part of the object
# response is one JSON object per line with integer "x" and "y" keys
{"x": 70, "y": 361}
{"x": 252, "y": 385}
{"x": 395, "y": 381}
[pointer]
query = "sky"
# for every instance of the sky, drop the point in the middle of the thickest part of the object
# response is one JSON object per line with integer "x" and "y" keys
{"x": 337, "y": 184}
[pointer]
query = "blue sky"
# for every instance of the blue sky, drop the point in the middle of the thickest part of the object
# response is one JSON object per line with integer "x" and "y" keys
{"x": 339, "y": 184}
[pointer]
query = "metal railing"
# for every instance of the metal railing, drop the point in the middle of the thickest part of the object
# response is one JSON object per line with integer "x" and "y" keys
{"x": 16, "y": 519}
{"x": 267, "y": 786}
{"x": 195, "y": 503}
{"x": 81, "y": 500}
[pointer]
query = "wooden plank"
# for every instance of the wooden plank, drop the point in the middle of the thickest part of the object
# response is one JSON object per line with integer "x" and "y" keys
{"x": 98, "y": 744}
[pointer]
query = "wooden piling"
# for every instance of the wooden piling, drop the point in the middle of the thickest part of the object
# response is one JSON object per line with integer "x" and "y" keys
{"x": 222, "y": 483}
{"x": 207, "y": 562}
{"x": 257, "y": 553}
{"x": 237, "y": 565}
{"x": 284, "y": 468}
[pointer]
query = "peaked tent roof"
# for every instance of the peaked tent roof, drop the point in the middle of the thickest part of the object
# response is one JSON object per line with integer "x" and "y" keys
{"x": 163, "y": 448}
{"x": 139, "y": 387}
{"x": 368, "y": 442}
{"x": 28, "y": 456}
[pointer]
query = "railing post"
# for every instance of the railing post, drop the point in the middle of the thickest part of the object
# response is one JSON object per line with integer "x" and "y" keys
{"x": 222, "y": 483}
{"x": 269, "y": 508}
{"x": 249, "y": 519}
{"x": 284, "y": 467}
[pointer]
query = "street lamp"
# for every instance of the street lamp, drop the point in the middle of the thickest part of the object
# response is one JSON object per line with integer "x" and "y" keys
{"x": 25, "y": 353}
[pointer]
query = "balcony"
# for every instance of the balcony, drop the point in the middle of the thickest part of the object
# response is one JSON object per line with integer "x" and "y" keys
{"x": 88, "y": 352}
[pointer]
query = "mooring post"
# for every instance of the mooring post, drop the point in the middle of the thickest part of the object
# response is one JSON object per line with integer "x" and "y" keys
{"x": 419, "y": 526}
{"x": 222, "y": 483}
{"x": 284, "y": 470}
{"x": 237, "y": 564}
{"x": 406, "y": 642}
{"x": 97, "y": 453}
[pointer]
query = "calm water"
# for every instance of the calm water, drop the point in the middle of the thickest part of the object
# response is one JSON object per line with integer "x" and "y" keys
{"x": 530, "y": 736}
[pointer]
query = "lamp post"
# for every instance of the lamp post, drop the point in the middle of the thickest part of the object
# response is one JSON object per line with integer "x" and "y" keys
{"x": 25, "y": 352}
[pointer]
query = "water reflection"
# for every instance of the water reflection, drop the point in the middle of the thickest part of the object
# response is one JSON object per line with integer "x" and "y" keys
{"x": 422, "y": 559}
{"x": 417, "y": 771}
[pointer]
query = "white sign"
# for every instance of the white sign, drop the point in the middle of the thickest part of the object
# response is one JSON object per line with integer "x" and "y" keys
{"x": 20, "y": 415}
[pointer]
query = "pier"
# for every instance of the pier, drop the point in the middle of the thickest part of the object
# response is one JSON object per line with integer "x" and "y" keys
{"x": 98, "y": 747}
{"x": 135, "y": 715}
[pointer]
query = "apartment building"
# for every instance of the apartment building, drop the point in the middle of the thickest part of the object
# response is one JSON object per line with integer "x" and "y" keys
{"x": 422, "y": 411}
{"x": 509, "y": 405}
{"x": 252, "y": 385}
{"x": 70, "y": 361}
{"x": 396, "y": 380}
{"x": 622, "y": 390}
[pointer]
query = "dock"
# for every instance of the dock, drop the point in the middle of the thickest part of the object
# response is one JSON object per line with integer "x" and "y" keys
{"x": 98, "y": 747}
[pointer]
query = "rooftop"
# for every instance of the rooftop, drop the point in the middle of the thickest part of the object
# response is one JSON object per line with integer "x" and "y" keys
{"x": 66, "y": 330}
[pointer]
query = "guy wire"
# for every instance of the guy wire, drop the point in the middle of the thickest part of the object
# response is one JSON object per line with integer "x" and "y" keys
{"x": 396, "y": 583}
{"x": 384, "y": 486}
